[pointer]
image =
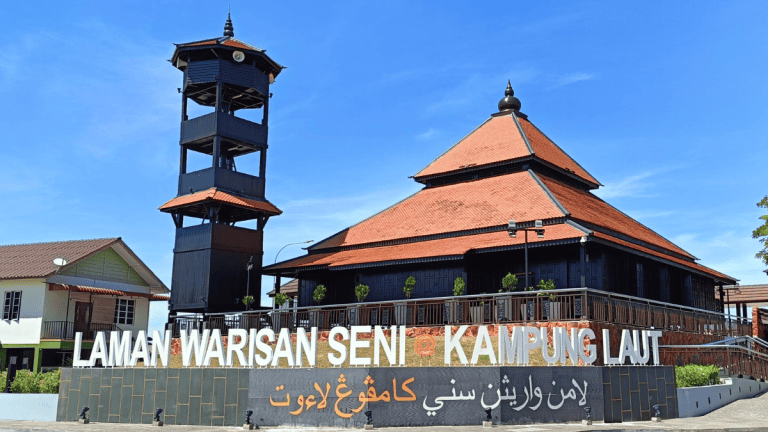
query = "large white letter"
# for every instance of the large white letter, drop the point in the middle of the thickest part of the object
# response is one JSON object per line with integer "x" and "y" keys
{"x": 99, "y": 350}
{"x": 337, "y": 346}
{"x": 307, "y": 346}
{"x": 591, "y": 349}
{"x": 641, "y": 358}
{"x": 236, "y": 347}
{"x": 454, "y": 343}
{"x": 571, "y": 346}
{"x": 140, "y": 349}
{"x": 76, "y": 362}
{"x": 120, "y": 348}
{"x": 215, "y": 349}
{"x": 380, "y": 341}
{"x": 266, "y": 349}
{"x": 402, "y": 345}
{"x": 160, "y": 348}
{"x": 355, "y": 344}
{"x": 193, "y": 343}
{"x": 528, "y": 345}
{"x": 627, "y": 349}
{"x": 510, "y": 349}
{"x": 557, "y": 345}
{"x": 483, "y": 339}
{"x": 251, "y": 347}
{"x": 283, "y": 348}
{"x": 607, "y": 359}
{"x": 655, "y": 335}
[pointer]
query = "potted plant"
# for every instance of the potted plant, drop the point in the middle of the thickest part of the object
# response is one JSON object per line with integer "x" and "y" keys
{"x": 247, "y": 300}
{"x": 361, "y": 292}
{"x": 454, "y": 309}
{"x": 551, "y": 307}
{"x": 401, "y": 307}
{"x": 282, "y": 317}
{"x": 318, "y": 296}
{"x": 508, "y": 284}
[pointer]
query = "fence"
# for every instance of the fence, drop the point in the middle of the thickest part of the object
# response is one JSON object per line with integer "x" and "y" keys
{"x": 736, "y": 360}
{"x": 65, "y": 330}
{"x": 503, "y": 308}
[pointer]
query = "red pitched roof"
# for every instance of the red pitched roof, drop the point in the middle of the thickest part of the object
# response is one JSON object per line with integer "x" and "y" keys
{"x": 738, "y": 294}
{"x": 464, "y": 206}
{"x": 585, "y": 206}
{"x": 36, "y": 259}
{"x": 216, "y": 195}
{"x": 501, "y": 139}
{"x": 106, "y": 291}
{"x": 445, "y": 248}
{"x": 222, "y": 41}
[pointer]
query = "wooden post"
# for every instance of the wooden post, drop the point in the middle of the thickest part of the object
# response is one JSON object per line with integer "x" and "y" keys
{"x": 583, "y": 263}
{"x": 216, "y": 151}
{"x": 184, "y": 107}
{"x": 183, "y": 160}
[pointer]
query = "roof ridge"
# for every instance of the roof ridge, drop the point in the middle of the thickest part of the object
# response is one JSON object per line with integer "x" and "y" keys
{"x": 60, "y": 242}
{"x": 549, "y": 193}
{"x": 453, "y": 146}
{"x": 522, "y": 133}
{"x": 560, "y": 148}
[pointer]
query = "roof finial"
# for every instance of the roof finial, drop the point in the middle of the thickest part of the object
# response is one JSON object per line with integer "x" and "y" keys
{"x": 228, "y": 29}
{"x": 509, "y": 102}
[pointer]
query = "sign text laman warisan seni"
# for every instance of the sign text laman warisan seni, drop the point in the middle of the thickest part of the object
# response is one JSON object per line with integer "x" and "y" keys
{"x": 636, "y": 347}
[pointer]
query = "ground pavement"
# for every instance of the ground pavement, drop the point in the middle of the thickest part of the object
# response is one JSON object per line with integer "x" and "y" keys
{"x": 743, "y": 415}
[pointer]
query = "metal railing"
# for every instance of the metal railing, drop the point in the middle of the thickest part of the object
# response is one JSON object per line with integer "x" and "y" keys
{"x": 65, "y": 330}
{"x": 572, "y": 304}
{"x": 734, "y": 359}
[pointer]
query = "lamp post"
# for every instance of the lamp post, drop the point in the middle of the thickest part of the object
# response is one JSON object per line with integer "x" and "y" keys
{"x": 277, "y": 285}
{"x": 512, "y": 228}
{"x": 248, "y": 268}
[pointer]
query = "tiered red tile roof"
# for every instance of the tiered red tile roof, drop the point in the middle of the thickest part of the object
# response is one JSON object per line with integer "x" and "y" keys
{"x": 447, "y": 221}
{"x": 502, "y": 139}
{"x": 215, "y": 195}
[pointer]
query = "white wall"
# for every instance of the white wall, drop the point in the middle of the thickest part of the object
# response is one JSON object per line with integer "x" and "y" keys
{"x": 697, "y": 401}
{"x": 27, "y": 329}
{"x": 28, "y": 406}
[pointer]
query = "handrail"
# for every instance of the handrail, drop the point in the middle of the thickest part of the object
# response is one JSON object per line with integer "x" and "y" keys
{"x": 494, "y": 295}
{"x": 753, "y": 352}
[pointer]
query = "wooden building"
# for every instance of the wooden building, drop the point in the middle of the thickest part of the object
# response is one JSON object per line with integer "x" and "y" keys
{"x": 457, "y": 226}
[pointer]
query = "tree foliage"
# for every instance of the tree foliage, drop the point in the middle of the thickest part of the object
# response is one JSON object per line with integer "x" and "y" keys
{"x": 458, "y": 286}
{"x": 693, "y": 375}
{"x": 280, "y": 299}
{"x": 319, "y": 294}
{"x": 761, "y": 232}
{"x": 410, "y": 283}
{"x": 509, "y": 282}
{"x": 361, "y": 292}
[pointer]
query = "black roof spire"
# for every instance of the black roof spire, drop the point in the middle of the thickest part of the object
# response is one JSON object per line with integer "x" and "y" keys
{"x": 509, "y": 102}
{"x": 228, "y": 29}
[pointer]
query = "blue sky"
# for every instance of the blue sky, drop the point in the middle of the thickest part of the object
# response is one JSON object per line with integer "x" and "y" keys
{"x": 663, "y": 102}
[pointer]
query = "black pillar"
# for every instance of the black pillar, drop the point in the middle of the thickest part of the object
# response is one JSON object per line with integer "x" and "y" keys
{"x": 583, "y": 263}
{"x": 744, "y": 309}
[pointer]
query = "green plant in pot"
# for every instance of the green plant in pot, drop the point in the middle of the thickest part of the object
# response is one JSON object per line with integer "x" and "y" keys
{"x": 361, "y": 292}
{"x": 319, "y": 295}
{"x": 508, "y": 283}
{"x": 280, "y": 299}
{"x": 458, "y": 286}
{"x": 247, "y": 301}
{"x": 410, "y": 283}
{"x": 547, "y": 285}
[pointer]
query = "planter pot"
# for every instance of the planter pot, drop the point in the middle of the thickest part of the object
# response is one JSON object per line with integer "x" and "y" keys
{"x": 504, "y": 309}
{"x": 353, "y": 314}
{"x": 551, "y": 310}
{"x": 452, "y": 311}
{"x": 401, "y": 313}
{"x": 476, "y": 314}
{"x": 526, "y": 310}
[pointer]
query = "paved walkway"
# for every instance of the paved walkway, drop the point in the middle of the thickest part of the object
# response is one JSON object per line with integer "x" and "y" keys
{"x": 743, "y": 415}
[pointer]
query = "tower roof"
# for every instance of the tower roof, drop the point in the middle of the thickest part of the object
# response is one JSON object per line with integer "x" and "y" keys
{"x": 504, "y": 139}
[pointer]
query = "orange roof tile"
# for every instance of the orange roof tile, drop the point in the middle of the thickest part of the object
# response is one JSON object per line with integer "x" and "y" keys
{"x": 226, "y": 41}
{"x": 106, "y": 291}
{"x": 690, "y": 264}
{"x": 446, "y": 247}
{"x": 738, "y": 294}
{"x": 214, "y": 194}
{"x": 585, "y": 206}
{"x": 498, "y": 140}
{"x": 483, "y": 203}
{"x": 545, "y": 149}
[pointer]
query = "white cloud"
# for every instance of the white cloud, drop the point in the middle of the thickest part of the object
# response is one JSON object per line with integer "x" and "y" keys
{"x": 731, "y": 252}
{"x": 570, "y": 78}
{"x": 636, "y": 185}
{"x": 430, "y": 133}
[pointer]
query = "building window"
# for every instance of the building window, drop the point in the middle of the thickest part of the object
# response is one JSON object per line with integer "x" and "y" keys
{"x": 124, "y": 311}
{"x": 12, "y": 305}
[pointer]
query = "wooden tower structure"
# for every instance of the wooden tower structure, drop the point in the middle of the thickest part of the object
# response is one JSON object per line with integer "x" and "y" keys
{"x": 211, "y": 254}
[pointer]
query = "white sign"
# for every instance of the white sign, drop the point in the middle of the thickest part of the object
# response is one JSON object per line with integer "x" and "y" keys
{"x": 636, "y": 347}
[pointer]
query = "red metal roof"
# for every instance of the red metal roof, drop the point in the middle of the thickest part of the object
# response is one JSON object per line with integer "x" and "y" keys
{"x": 216, "y": 195}
{"x": 446, "y": 247}
{"x": 500, "y": 139}
{"x": 464, "y": 206}
{"x": 36, "y": 259}
{"x": 106, "y": 291}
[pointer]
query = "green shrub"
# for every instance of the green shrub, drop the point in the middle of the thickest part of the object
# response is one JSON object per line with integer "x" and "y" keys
{"x": 509, "y": 283}
{"x": 410, "y": 283}
{"x": 280, "y": 299}
{"x": 3, "y": 378}
{"x": 694, "y": 375}
{"x": 547, "y": 285}
{"x": 319, "y": 294}
{"x": 361, "y": 292}
{"x": 25, "y": 382}
{"x": 50, "y": 381}
{"x": 458, "y": 286}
